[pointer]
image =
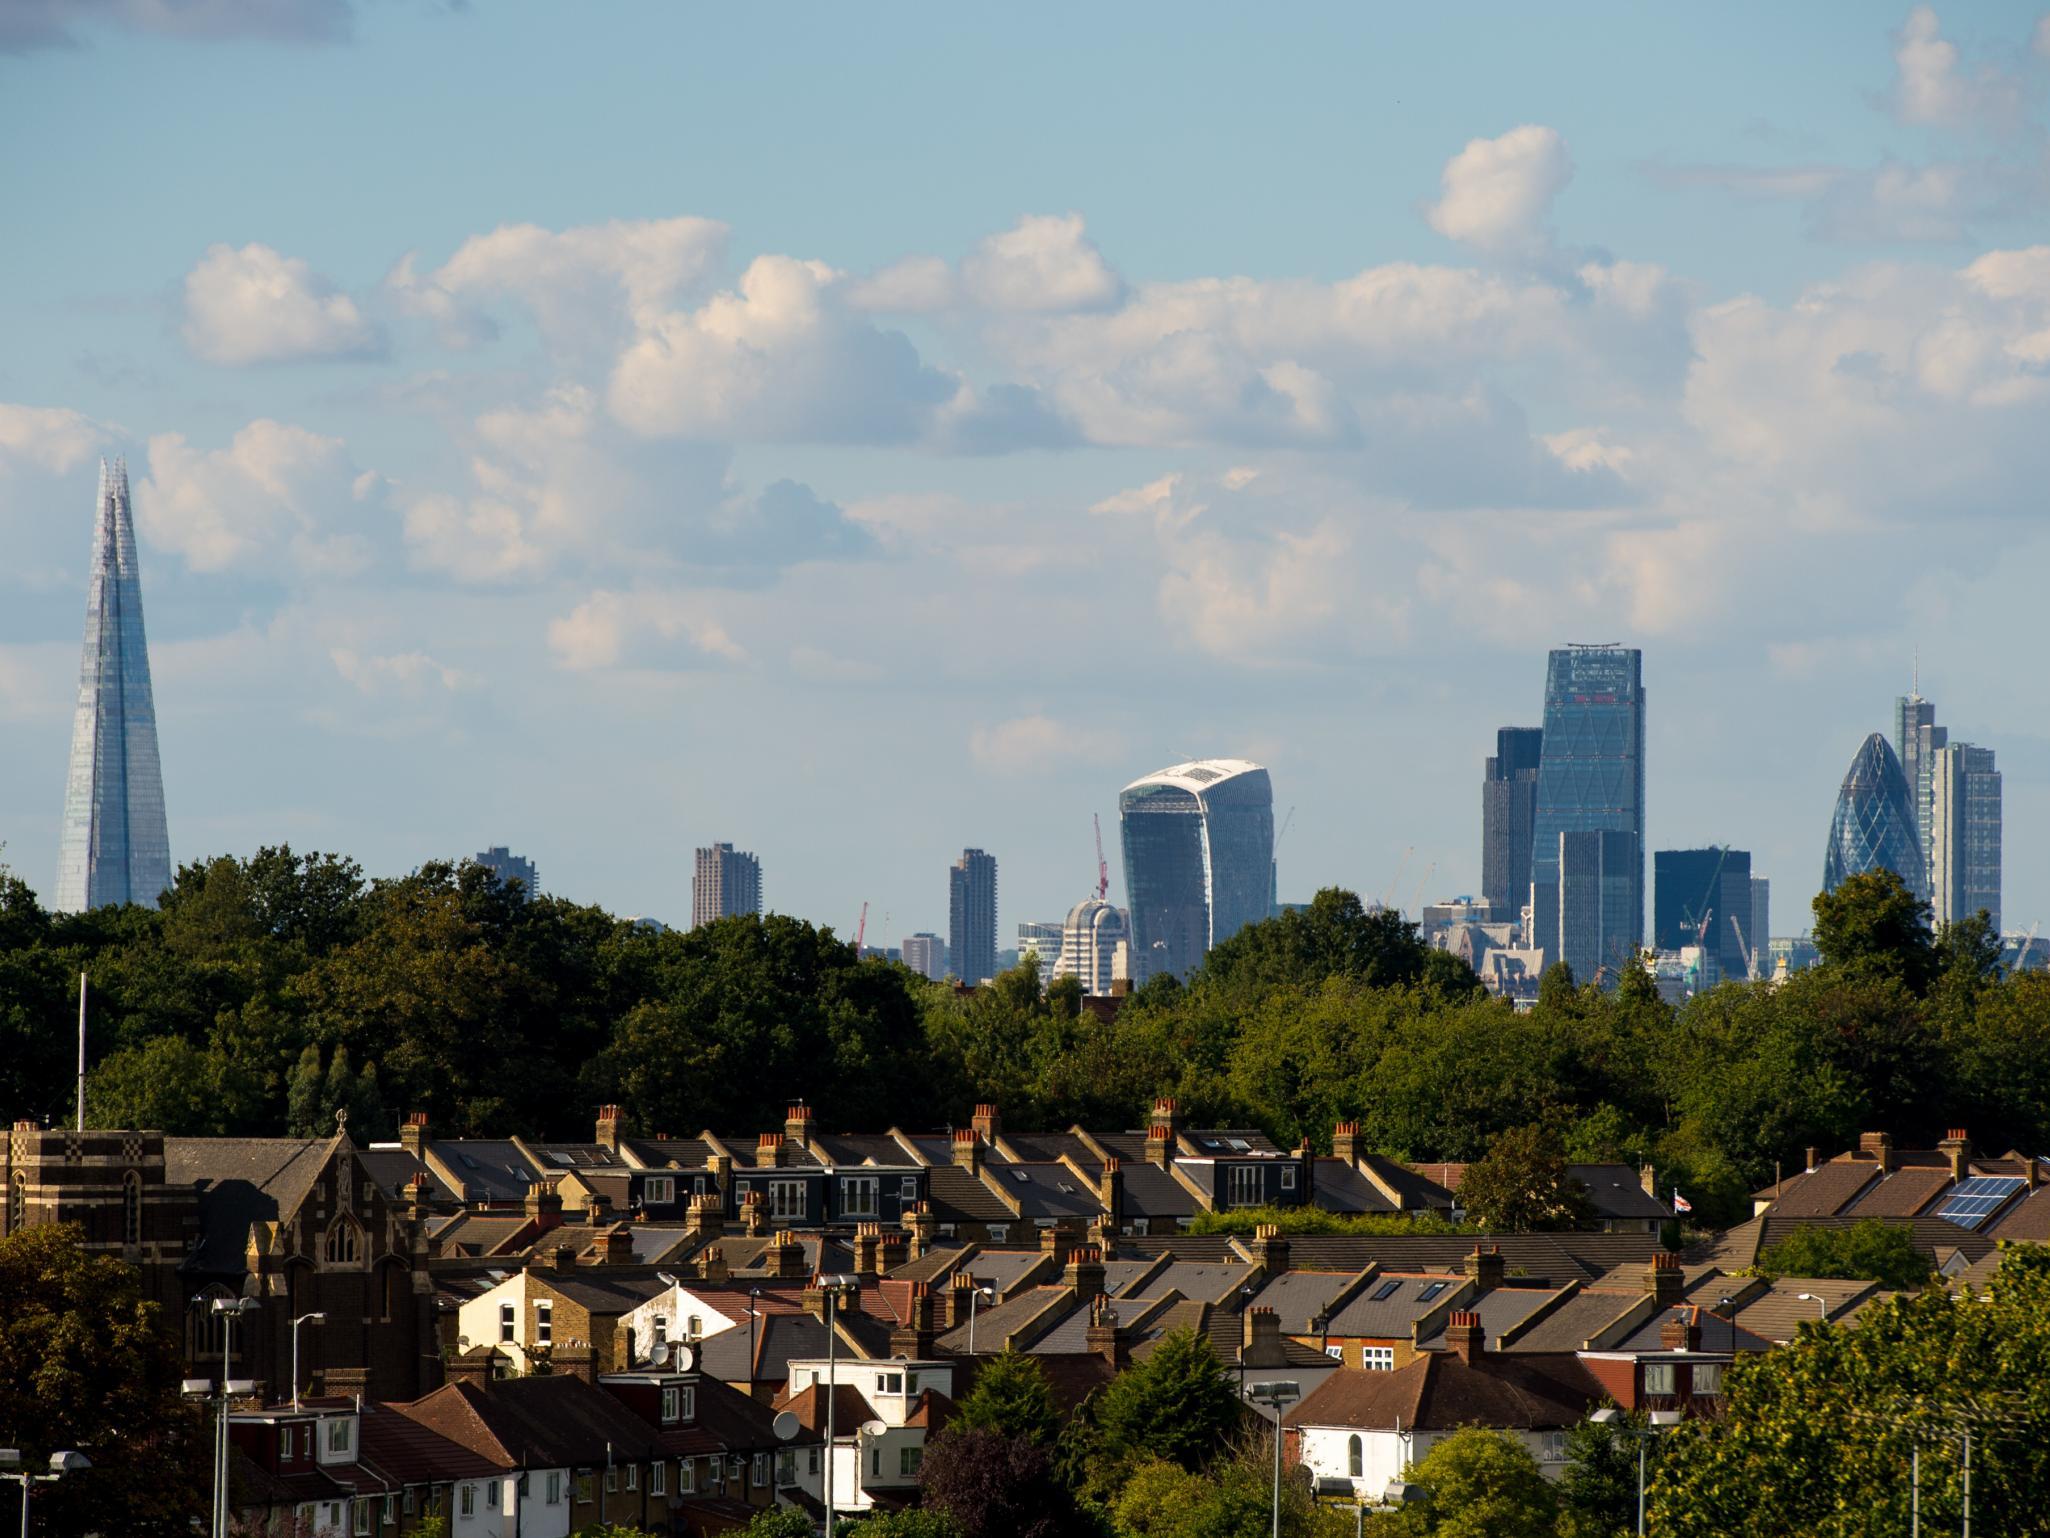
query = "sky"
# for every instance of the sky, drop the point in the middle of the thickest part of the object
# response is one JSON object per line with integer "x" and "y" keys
{"x": 859, "y": 434}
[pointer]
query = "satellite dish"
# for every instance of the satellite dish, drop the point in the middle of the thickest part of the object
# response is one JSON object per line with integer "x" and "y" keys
{"x": 787, "y": 1425}
{"x": 683, "y": 1358}
{"x": 658, "y": 1356}
{"x": 875, "y": 1428}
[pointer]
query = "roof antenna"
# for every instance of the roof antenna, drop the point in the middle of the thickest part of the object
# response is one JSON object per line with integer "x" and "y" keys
{"x": 1916, "y": 687}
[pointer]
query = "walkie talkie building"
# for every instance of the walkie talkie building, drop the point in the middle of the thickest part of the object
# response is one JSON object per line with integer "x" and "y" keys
{"x": 115, "y": 847}
{"x": 1199, "y": 859}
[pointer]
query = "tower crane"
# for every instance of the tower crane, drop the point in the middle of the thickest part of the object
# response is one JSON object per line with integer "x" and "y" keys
{"x": 1102, "y": 865}
{"x": 1388, "y": 897}
{"x": 860, "y": 929}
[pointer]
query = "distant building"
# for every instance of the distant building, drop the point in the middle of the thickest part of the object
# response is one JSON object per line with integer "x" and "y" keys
{"x": 1964, "y": 834}
{"x": 508, "y": 868}
{"x": 1598, "y": 881}
{"x": 1508, "y": 806}
{"x": 727, "y": 881}
{"x": 972, "y": 916}
{"x": 926, "y": 954}
{"x": 1199, "y": 859}
{"x": 1702, "y": 897}
{"x": 1917, "y": 739}
{"x": 1758, "y": 932}
{"x": 1096, "y": 945}
{"x": 114, "y": 846}
{"x": 1041, "y": 938}
{"x": 1796, "y": 953}
{"x": 1590, "y": 779}
{"x": 1874, "y": 824}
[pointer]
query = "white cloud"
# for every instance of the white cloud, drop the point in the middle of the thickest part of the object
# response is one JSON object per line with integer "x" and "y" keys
{"x": 1932, "y": 88}
{"x": 915, "y": 286}
{"x": 1253, "y": 600}
{"x": 409, "y": 673}
{"x": 1160, "y": 501}
{"x": 1497, "y": 193}
{"x": 256, "y": 305}
{"x": 276, "y": 491}
{"x": 1044, "y": 262}
{"x": 643, "y": 629}
{"x": 52, "y": 439}
{"x": 1028, "y": 745}
{"x": 30, "y": 24}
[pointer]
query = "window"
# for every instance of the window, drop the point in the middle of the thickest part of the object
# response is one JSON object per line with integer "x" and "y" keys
{"x": 391, "y": 1510}
{"x": 907, "y": 1189}
{"x": 1377, "y": 1358}
{"x": 761, "y": 1470}
{"x": 690, "y": 1401}
{"x": 890, "y": 1383}
{"x": 697, "y": 1186}
{"x": 508, "y": 1323}
{"x": 466, "y": 1500}
{"x": 658, "y": 1190}
{"x": 633, "y": 1476}
{"x": 686, "y": 1476}
{"x": 411, "y": 1502}
{"x": 1708, "y": 1378}
{"x": 491, "y": 1495}
{"x": 554, "y": 1487}
{"x": 285, "y": 1445}
{"x": 17, "y": 1201}
{"x": 1248, "y": 1187}
{"x": 910, "y": 1384}
{"x": 1336, "y": 1353}
{"x": 908, "y": 1460}
{"x": 341, "y": 1435}
{"x": 1431, "y": 1290}
{"x": 999, "y": 1232}
{"x": 786, "y": 1199}
{"x": 661, "y": 1330}
{"x": 694, "y": 1327}
{"x": 342, "y": 1246}
{"x": 1288, "y": 1174}
{"x": 1554, "y": 1447}
{"x": 858, "y": 1195}
{"x": 544, "y": 1323}
{"x": 611, "y": 1480}
{"x": 715, "y": 1473}
{"x": 1385, "y": 1291}
{"x": 334, "y": 1515}
{"x": 875, "y": 1461}
{"x": 1355, "y": 1457}
{"x": 658, "y": 1479}
{"x": 131, "y": 1208}
{"x": 786, "y": 1467}
{"x": 363, "y": 1514}
{"x": 584, "y": 1489}
{"x": 672, "y": 1404}
{"x": 814, "y": 1461}
{"x": 1658, "y": 1378}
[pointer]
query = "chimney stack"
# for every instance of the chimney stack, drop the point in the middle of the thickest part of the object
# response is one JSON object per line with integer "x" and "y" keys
{"x": 1957, "y": 1148}
{"x": 783, "y": 1256}
{"x": 1664, "y": 1279}
{"x": 1101, "y": 1337}
{"x": 544, "y": 1207}
{"x": 1814, "y": 1158}
{"x": 704, "y": 1218}
{"x": 968, "y": 1150}
{"x": 1879, "y": 1146}
{"x": 1679, "y": 1332}
{"x": 868, "y": 1244}
{"x": 1055, "y": 1244}
{"x": 920, "y": 1224}
{"x": 565, "y": 1257}
{"x": 576, "y": 1362}
{"x": 1084, "y": 1274}
{"x": 1485, "y": 1267}
{"x": 413, "y": 1135}
{"x": 710, "y": 1264}
{"x": 1166, "y": 1116}
{"x": 769, "y": 1151}
{"x": 753, "y": 1221}
{"x": 955, "y": 1310}
{"x": 914, "y": 1337}
{"x": 1110, "y": 1190}
{"x": 1345, "y": 1141}
{"x": 1260, "y": 1338}
{"x": 1306, "y": 1181}
{"x": 1648, "y": 1178}
{"x": 608, "y": 1127}
{"x": 797, "y": 1123}
{"x": 1270, "y": 1248}
{"x": 1464, "y": 1335}
{"x": 619, "y": 1245}
{"x": 472, "y": 1367}
{"x": 988, "y": 1122}
{"x": 1159, "y": 1147}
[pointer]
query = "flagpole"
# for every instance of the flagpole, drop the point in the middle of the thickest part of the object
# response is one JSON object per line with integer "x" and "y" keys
{"x": 81, "y": 1051}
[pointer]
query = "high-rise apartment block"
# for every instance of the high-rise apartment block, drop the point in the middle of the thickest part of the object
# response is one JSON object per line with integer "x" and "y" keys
{"x": 508, "y": 868}
{"x": 1096, "y": 945}
{"x": 1199, "y": 859}
{"x": 972, "y": 916}
{"x": 1508, "y": 805}
{"x": 1703, "y": 897}
{"x": 1964, "y": 834}
{"x": 926, "y": 954}
{"x": 727, "y": 881}
{"x": 1590, "y": 780}
{"x": 115, "y": 846}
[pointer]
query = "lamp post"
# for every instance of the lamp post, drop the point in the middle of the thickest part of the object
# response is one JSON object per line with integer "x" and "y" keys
{"x": 832, "y": 1288}
{"x": 1658, "y": 1420}
{"x": 1821, "y": 1305}
{"x": 316, "y": 1317}
{"x": 1278, "y": 1396}
{"x": 754, "y": 1314}
{"x": 227, "y": 1310}
{"x": 60, "y": 1465}
{"x": 977, "y": 1295}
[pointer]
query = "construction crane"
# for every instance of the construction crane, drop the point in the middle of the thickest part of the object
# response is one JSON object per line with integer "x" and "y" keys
{"x": 860, "y": 929}
{"x": 1388, "y": 897}
{"x": 1284, "y": 827}
{"x": 1744, "y": 949}
{"x": 1417, "y": 905}
{"x": 1102, "y": 865}
{"x": 2021, "y": 956}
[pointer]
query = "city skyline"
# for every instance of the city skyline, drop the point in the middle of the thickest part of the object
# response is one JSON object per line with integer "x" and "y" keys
{"x": 1296, "y": 445}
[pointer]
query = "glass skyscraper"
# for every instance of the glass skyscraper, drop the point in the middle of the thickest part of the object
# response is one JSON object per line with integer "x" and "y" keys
{"x": 1964, "y": 834}
{"x": 1508, "y": 804}
{"x": 1590, "y": 779}
{"x": 1199, "y": 859}
{"x": 1600, "y": 871}
{"x": 1874, "y": 825}
{"x": 115, "y": 847}
{"x": 1703, "y": 897}
{"x": 972, "y": 918}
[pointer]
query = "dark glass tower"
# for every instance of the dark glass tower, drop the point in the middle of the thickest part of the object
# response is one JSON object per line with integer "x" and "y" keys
{"x": 972, "y": 916}
{"x": 1508, "y": 804}
{"x": 1703, "y": 897}
{"x": 1599, "y": 874}
{"x": 1590, "y": 779}
{"x": 115, "y": 847}
{"x": 1199, "y": 859}
{"x": 1874, "y": 825}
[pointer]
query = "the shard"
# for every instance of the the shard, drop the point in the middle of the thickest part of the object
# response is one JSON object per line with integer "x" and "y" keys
{"x": 115, "y": 848}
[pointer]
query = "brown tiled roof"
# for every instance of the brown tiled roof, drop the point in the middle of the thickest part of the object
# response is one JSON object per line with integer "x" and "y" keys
{"x": 958, "y": 1197}
{"x": 1776, "y": 1314}
{"x": 808, "y": 1404}
{"x": 1440, "y": 1392}
{"x": 410, "y": 1452}
{"x": 557, "y": 1419}
{"x": 1573, "y": 1323}
{"x": 1825, "y": 1190}
{"x": 1555, "y": 1258}
{"x": 1902, "y": 1194}
{"x": 2027, "y": 1219}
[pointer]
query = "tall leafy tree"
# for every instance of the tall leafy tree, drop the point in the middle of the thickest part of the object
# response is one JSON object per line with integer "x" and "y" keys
{"x": 1178, "y": 1405}
{"x": 1477, "y": 1484}
{"x": 990, "y": 1485}
{"x": 1523, "y": 1184}
{"x": 1010, "y": 1395}
{"x": 1874, "y": 925}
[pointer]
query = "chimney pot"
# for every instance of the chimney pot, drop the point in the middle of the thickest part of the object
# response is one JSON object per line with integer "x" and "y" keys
{"x": 968, "y": 1150}
{"x": 1463, "y": 1333}
{"x": 608, "y": 1127}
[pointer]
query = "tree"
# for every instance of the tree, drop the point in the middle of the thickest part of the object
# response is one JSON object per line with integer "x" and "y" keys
{"x": 994, "y": 1486}
{"x": 1477, "y": 1484}
{"x": 86, "y": 1365}
{"x": 1010, "y": 1395}
{"x": 1337, "y": 935}
{"x": 171, "y": 1086}
{"x": 1178, "y": 1405}
{"x": 1598, "y": 1495}
{"x": 912, "y": 1522}
{"x": 1870, "y": 1250}
{"x": 779, "y": 1522}
{"x": 1872, "y": 924}
{"x": 1522, "y": 1184}
{"x": 1232, "y": 1499}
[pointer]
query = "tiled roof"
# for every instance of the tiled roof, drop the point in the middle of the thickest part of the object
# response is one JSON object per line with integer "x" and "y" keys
{"x": 1902, "y": 1194}
{"x": 958, "y": 1197}
{"x": 1573, "y": 1323}
{"x": 1557, "y": 1257}
{"x": 1617, "y": 1191}
{"x": 1779, "y": 1312}
{"x": 778, "y": 1339}
{"x": 1207, "y": 1247}
{"x": 1417, "y": 1188}
{"x": 2028, "y": 1218}
{"x": 556, "y": 1419}
{"x": 1048, "y": 1191}
{"x": 409, "y": 1452}
{"x": 1367, "y": 1314}
{"x": 1297, "y": 1297}
{"x": 1337, "y": 1187}
{"x": 1440, "y": 1392}
{"x": 241, "y": 1181}
{"x": 850, "y": 1408}
{"x": 1825, "y": 1190}
{"x": 994, "y": 1323}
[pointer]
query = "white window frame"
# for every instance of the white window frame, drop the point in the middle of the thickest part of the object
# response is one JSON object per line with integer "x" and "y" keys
{"x": 686, "y": 1476}
{"x": 1667, "y": 1373}
{"x": 907, "y": 1188}
{"x": 1708, "y": 1380}
{"x": 661, "y": 1329}
{"x": 359, "y": 1517}
{"x": 633, "y": 1476}
{"x": 553, "y": 1495}
{"x": 1288, "y": 1174}
{"x": 1377, "y": 1358}
{"x": 466, "y": 1500}
{"x": 690, "y": 1401}
{"x": 658, "y": 1190}
{"x": 787, "y": 1199}
{"x": 890, "y": 1383}
{"x": 909, "y": 1459}
{"x": 672, "y": 1404}
{"x": 391, "y": 1511}
{"x": 658, "y": 1478}
{"x": 760, "y": 1474}
{"x": 544, "y": 1322}
{"x": 1247, "y": 1185}
{"x": 861, "y": 1196}
{"x": 508, "y": 1323}
{"x": 999, "y": 1232}
{"x": 341, "y": 1435}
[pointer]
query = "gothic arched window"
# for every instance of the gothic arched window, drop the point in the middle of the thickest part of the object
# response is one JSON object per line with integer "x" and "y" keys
{"x": 342, "y": 1245}
{"x": 1355, "y": 1457}
{"x": 131, "y": 1208}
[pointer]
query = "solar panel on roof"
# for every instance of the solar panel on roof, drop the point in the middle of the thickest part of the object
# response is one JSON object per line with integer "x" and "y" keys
{"x": 1975, "y": 1200}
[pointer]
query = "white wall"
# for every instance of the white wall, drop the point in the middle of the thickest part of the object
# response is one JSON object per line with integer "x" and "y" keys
{"x": 1385, "y": 1454}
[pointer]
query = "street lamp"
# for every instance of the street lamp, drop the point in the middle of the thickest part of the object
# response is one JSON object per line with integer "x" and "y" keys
{"x": 977, "y": 1295}
{"x": 1609, "y": 1415}
{"x": 316, "y": 1317}
{"x": 754, "y": 1314}
{"x": 831, "y": 1289}
{"x": 60, "y": 1465}
{"x": 227, "y": 1310}
{"x": 1278, "y": 1396}
{"x": 1821, "y": 1305}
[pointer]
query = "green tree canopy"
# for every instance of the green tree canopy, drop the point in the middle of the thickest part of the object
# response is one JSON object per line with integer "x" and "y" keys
{"x": 1234, "y": 1498}
{"x": 1178, "y": 1405}
{"x": 1522, "y": 1184}
{"x": 1874, "y": 925}
{"x": 1477, "y": 1484}
{"x": 1337, "y": 935}
{"x": 1870, "y": 1250}
{"x": 1010, "y": 1395}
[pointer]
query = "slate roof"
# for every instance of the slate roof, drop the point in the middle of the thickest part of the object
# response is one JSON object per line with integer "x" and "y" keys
{"x": 1417, "y": 1188}
{"x": 1440, "y": 1392}
{"x": 1299, "y": 1296}
{"x": 491, "y": 1169}
{"x": 778, "y": 1340}
{"x": 1572, "y": 1324}
{"x": 1825, "y": 1190}
{"x": 1048, "y": 1191}
{"x": 1501, "y": 1309}
{"x": 995, "y": 1322}
{"x": 583, "y": 1158}
{"x": 1003, "y": 1270}
{"x": 857, "y": 1148}
{"x": 394, "y": 1169}
{"x": 1902, "y": 1194}
{"x": 1209, "y": 1282}
{"x": 1717, "y": 1333}
{"x": 1779, "y": 1312}
{"x": 1047, "y": 1148}
{"x": 241, "y": 1181}
{"x": 482, "y": 1235}
{"x": 683, "y": 1153}
{"x": 1207, "y": 1247}
{"x": 1370, "y": 1316}
{"x": 1617, "y": 1191}
{"x": 1555, "y": 1258}
{"x": 1151, "y": 1192}
{"x": 1337, "y": 1187}
{"x": 958, "y": 1197}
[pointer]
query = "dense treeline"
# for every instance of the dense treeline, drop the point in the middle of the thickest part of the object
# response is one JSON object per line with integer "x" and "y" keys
{"x": 266, "y": 992}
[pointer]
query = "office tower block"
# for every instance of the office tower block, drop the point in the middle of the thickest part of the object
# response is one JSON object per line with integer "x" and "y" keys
{"x": 1096, "y": 945}
{"x": 1758, "y": 928}
{"x": 1508, "y": 804}
{"x": 1703, "y": 897}
{"x": 1600, "y": 872}
{"x": 508, "y": 868}
{"x": 115, "y": 846}
{"x": 1874, "y": 823}
{"x": 972, "y": 916}
{"x": 1590, "y": 773}
{"x": 727, "y": 881}
{"x": 1199, "y": 859}
{"x": 1964, "y": 834}
{"x": 1917, "y": 740}
{"x": 926, "y": 954}
{"x": 1041, "y": 938}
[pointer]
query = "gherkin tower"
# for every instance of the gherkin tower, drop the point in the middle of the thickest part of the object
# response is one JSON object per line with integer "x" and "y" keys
{"x": 1874, "y": 824}
{"x": 115, "y": 848}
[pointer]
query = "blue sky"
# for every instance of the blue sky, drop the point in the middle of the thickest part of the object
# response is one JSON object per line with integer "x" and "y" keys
{"x": 859, "y": 434}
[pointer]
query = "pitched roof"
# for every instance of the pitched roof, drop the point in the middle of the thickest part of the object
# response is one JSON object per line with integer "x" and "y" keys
{"x": 554, "y": 1419}
{"x": 851, "y": 1408}
{"x": 406, "y": 1451}
{"x": 1825, "y": 1190}
{"x": 777, "y": 1340}
{"x": 1901, "y": 1194}
{"x": 1388, "y": 1307}
{"x": 1617, "y": 1191}
{"x": 2028, "y": 1218}
{"x": 1778, "y": 1312}
{"x": 958, "y": 1197}
{"x": 1439, "y": 1391}
{"x": 241, "y": 1181}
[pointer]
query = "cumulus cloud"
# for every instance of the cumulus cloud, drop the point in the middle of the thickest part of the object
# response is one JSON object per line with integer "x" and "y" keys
{"x": 1932, "y": 87}
{"x": 1044, "y": 262}
{"x": 53, "y": 439}
{"x": 406, "y": 673}
{"x": 275, "y": 492}
{"x": 787, "y": 523}
{"x": 1029, "y": 745}
{"x": 1497, "y": 193}
{"x": 255, "y": 305}
{"x": 640, "y": 629}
